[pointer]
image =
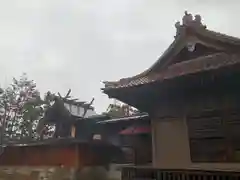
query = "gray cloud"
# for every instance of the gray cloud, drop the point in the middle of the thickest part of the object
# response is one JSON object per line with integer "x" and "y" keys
{"x": 79, "y": 43}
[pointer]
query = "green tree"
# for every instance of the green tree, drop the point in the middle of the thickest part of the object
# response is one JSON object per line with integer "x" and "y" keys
{"x": 120, "y": 110}
{"x": 45, "y": 130}
{"x": 21, "y": 108}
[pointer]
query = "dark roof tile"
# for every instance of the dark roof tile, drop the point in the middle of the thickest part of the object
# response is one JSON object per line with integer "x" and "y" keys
{"x": 205, "y": 63}
{"x": 194, "y": 27}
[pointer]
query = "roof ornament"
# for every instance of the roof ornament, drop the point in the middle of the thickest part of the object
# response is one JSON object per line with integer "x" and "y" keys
{"x": 198, "y": 19}
{"x": 189, "y": 21}
{"x": 178, "y": 27}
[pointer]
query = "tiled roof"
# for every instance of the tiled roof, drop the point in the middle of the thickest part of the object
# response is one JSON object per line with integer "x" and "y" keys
{"x": 218, "y": 36}
{"x": 205, "y": 63}
{"x": 126, "y": 118}
{"x": 142, "y": 78}
{"x": 187, "y": 29}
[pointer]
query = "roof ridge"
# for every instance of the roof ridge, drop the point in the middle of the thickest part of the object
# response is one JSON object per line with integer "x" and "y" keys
{"x": 220, "y": 36}
{"x": 198, "y": 58}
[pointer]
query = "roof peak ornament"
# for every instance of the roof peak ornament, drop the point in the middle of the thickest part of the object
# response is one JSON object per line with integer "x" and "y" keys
{"x": 189, "y": 21}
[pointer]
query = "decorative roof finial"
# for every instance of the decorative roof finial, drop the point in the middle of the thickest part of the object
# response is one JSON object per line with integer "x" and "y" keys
{"x": 188, "y": 21}
{"x": 198, "y": 21}
{"x": 178, "y": 26}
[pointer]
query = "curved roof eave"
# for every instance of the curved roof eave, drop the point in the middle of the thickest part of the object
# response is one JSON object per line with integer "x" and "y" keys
{"x": 168, "y": 53}
{"x": 197, "y": 29}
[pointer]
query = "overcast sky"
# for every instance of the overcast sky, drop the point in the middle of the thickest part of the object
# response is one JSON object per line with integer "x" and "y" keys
{"x": 77, "y": 44}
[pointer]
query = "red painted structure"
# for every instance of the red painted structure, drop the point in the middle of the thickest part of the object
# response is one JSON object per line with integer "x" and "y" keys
{"x": 58, "y": 152}
{"x": 134, "y": 130}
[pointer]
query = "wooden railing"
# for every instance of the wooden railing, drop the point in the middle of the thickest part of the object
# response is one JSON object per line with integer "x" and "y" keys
{"x": 140, "y": 173}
